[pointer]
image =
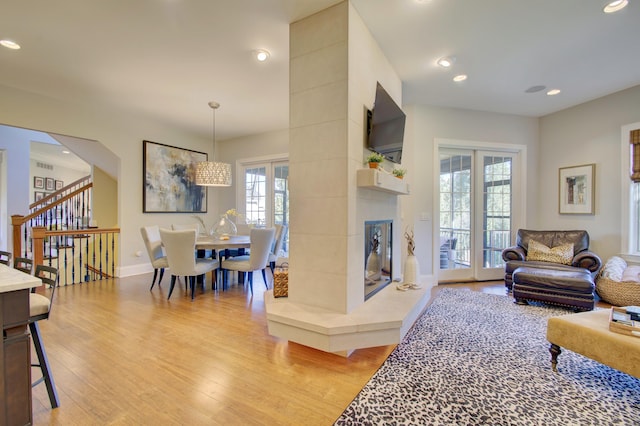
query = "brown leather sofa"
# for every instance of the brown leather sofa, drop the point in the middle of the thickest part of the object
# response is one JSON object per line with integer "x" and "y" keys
{"x": 554, "y": 283}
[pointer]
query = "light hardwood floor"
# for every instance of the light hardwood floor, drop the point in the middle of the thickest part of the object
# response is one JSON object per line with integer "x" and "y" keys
{"x": 122, "y": 355}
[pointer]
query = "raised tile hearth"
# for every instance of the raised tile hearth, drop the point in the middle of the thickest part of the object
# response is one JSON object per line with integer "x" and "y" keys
{"x": 384, "y": 319}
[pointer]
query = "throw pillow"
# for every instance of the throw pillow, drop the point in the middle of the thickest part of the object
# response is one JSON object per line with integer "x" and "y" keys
{"x": 562, "y": 254}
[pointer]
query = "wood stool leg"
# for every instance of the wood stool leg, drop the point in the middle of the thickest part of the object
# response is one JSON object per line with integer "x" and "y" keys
{"x": 555, "y": 351}
{"x": 44, "y": 365}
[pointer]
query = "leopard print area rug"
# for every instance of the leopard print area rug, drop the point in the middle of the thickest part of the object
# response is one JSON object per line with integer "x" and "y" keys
{"x": 480, "y": 359}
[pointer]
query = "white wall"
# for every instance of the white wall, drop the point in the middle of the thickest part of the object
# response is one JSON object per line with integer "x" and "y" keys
{"x": 16, "y": 182}
{"x": 585, "y": 134}
{"x": 122, "y": 133}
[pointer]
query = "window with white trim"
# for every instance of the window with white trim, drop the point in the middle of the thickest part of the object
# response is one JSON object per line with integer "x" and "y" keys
{"x": 631, "y": 192}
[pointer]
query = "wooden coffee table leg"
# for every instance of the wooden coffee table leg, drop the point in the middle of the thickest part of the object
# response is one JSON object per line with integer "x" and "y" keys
{"x": 555, "y": 351}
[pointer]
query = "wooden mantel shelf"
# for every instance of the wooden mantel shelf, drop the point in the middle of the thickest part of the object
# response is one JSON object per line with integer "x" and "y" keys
{"x": 375, "y": 179}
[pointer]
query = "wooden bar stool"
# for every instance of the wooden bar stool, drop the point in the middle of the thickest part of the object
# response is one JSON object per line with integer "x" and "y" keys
{"x": 39, "y": 309}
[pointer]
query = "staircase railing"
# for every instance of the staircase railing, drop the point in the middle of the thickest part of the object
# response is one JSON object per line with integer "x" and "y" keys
{"x": 57, "y": 232}
{"x": 88, "y": 255}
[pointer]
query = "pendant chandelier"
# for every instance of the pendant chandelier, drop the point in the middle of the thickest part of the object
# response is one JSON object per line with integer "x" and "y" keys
{"x": 213, "y": 173}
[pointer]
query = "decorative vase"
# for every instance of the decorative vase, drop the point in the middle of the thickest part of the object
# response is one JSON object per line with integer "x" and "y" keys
{"x": 411, "y": 270}
{"x": 224, "y": 227}
{"x": 374, "y": 268}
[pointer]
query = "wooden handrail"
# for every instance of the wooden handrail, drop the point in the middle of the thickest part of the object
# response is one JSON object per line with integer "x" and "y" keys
{"x": 44, "y": 200}
{"x": 81, "y": 231}
{"x": 56, "y": 203}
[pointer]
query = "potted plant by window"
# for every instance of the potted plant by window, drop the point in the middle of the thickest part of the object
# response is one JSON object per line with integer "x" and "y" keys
{"x": 374, "y": 159}
{"x": 399, "y": 173}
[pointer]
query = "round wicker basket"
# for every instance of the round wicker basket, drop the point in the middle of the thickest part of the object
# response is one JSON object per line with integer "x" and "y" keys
{"x": 618, "y": 293}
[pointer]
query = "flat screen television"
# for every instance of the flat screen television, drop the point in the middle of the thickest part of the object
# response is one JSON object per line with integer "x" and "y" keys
{"x": 386, "y": 126}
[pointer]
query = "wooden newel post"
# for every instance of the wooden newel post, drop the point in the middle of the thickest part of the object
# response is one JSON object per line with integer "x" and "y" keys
{"x": 38, "y": 233}
{"x": 16, "y": 223}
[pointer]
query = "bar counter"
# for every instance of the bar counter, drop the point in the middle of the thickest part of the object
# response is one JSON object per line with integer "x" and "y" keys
{"x": 15, "y": 352}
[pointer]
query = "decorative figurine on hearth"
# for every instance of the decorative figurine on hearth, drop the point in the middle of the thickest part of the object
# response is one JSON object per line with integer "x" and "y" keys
{"x": 411, "y": 268}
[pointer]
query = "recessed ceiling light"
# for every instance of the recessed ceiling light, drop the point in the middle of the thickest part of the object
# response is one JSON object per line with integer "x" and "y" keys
{"x": 64, "y": 151}
{"x": 10, "y": 44}
{"x": 446, "y": 61}
{"x": 262, "y": 55}
{"x": 553, "y": 92}
{"x": 459, "y": 78}
{"x": 615, "y": 5}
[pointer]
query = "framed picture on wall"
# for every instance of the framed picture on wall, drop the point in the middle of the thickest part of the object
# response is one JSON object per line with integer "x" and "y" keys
{"x": 59, "y": 184}
{"x": 168, "y": 180}
{"x": 49, "y": 184}
{"x": 38, "y": 195}
{"x": 576, "y": 189}
{"x": 38, "y": 182}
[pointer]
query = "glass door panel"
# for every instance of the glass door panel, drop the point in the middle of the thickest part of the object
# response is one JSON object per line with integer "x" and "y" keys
{"x": 475, "y": 213}
{"x": 266, "y": 195}
{"x": 281, "y": 200}
{"x": 255, "y": 181}
{"x": 495, "y": 221}
{"x": 456, "y": 202}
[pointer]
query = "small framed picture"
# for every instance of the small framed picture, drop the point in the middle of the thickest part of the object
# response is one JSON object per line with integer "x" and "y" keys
{"x": 50, "y": 184}
{"x": 38, "y": 195}
{"x": 576, "y": 189}
{"x": 59, "y": 184}
{"x": 38, "y": 182}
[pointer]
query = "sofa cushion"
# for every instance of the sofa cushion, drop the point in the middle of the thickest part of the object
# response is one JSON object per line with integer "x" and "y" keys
{"x": 562, "y": 254}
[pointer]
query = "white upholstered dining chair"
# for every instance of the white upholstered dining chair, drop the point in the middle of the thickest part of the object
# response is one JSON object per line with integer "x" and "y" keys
{"x": 261, "y": 241}
{"x": 180, "y": 247}
{"x": 151, "y": 238}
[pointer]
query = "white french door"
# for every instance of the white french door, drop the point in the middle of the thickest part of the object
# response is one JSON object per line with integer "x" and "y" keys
{"x": 264, "y": 193}
{"x": 476, "y": 212}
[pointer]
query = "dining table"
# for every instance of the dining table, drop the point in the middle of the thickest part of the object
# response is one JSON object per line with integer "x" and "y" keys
{"x": 15, "y": 352}
{"x": 223, "y": 243}
{"x": 222, "y": 246}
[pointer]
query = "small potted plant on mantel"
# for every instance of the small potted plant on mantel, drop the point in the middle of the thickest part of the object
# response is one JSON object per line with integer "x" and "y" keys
{"x": 399, "y": 172}
{"x": 374, "y": 159}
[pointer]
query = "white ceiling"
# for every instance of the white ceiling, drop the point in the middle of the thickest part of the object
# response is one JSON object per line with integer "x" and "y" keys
{"x": 169, "y": 58}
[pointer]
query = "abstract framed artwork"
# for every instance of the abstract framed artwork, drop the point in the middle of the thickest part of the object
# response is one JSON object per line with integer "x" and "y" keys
{"x": 169, "y": 180}
{"x": 38, "y": 182}
{"x": 577, "y": 189}
{"x": 49, "y": 184}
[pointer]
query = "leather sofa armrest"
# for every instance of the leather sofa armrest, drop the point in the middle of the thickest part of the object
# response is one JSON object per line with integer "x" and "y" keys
{"x": 513, "y": 253}
{"x": 588, "y": 260}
